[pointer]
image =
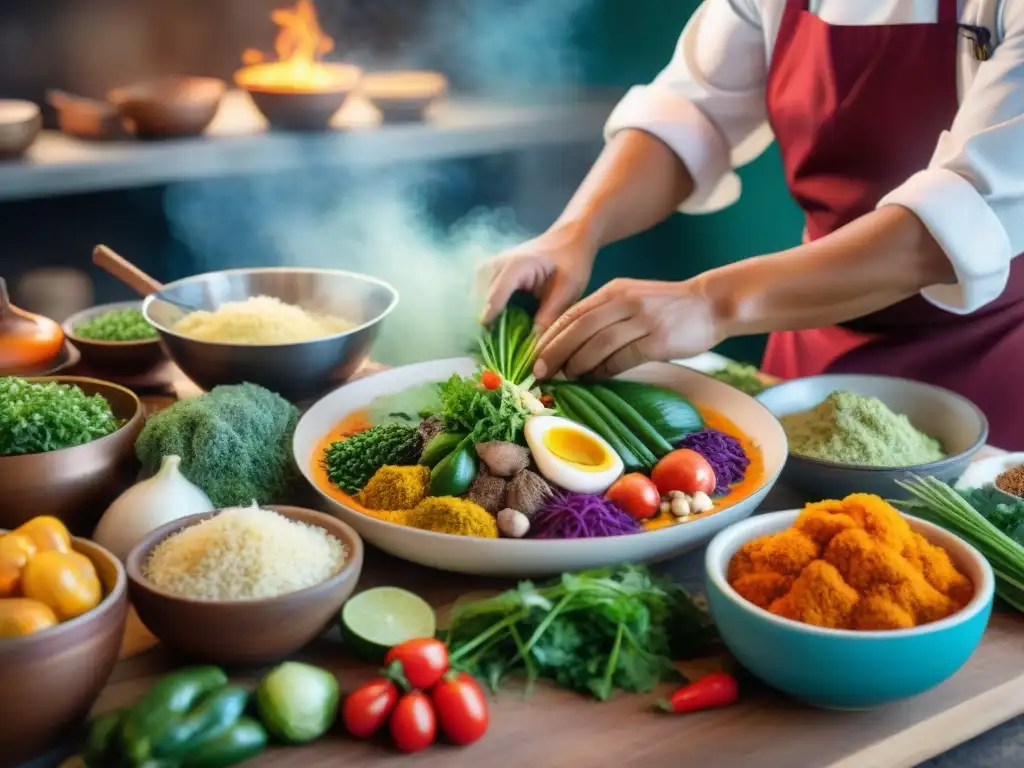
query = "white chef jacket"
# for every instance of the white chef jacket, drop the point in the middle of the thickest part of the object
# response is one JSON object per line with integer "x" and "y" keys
{"x": 709, "y": 106}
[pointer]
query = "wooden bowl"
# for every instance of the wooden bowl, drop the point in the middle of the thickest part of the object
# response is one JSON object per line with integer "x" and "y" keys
{"x": 84, "y": 118}
{"x": 298, "y": 109}
{"x": 118, "y": 358}
{"x": 243, "y": 632}
{"x": 171, "y": 107}
{"x": 403, "y": 97}
{"x": 74, "y": 484}
{"x": 51, "y": 678}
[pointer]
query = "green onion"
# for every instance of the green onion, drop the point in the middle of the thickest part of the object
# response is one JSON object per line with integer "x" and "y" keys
{"x": 509, "y": 348}
{"x": 935, "y": 501}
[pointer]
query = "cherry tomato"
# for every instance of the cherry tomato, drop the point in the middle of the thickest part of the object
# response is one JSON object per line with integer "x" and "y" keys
{"x": 367, "y": 708}
{"x": 413, "y": 722}
{"x": 683, "y": 470}
{"x": 421, "y": 662}
{"x": 490, "y": 380}
{"x": 636, "y": 495}
{"x": 461, "y": 708}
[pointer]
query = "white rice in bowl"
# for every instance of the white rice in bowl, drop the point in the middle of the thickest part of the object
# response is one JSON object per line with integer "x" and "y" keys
{"x": 244, "y": 553}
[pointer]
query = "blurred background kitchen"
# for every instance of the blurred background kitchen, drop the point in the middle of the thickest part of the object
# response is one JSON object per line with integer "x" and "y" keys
{"x": 416, "y": 201}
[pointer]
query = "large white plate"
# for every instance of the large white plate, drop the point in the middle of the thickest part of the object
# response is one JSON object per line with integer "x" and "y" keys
{"x": 527, "y": 558}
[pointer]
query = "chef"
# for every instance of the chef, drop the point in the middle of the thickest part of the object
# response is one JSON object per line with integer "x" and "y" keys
{"x": 901, "y": 129}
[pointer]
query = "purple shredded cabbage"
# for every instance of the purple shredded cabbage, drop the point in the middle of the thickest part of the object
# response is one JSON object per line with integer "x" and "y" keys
{"x": 580, "y": 516}
{"x": 723, "y": 452}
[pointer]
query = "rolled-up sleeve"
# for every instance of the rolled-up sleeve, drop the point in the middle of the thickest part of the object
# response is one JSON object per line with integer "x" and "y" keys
{"x": 971, "y": 196}
{"x": 708, "y": 104}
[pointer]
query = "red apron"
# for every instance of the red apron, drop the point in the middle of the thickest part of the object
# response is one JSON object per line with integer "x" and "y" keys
{"x": 856, "y": 111}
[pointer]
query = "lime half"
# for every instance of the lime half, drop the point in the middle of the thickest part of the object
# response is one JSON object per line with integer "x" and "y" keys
{"x": 375, "y": 621}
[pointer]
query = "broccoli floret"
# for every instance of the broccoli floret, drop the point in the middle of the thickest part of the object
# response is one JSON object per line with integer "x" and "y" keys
{"x": 351, "y": 463}
{"x": 234, "y": 443}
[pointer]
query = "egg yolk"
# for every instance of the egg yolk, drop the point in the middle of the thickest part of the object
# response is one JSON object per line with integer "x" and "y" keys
{"x": 576, "y": 448}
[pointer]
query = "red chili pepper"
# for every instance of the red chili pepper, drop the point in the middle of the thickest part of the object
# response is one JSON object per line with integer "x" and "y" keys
{"x": 547, "y": 400}
{"x": 715, "y": 690}
{"x": 490, "y": 380}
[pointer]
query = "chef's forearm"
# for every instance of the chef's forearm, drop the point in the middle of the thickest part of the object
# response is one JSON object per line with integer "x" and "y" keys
{"x": 872, "y": 263}
{"x": 636, "y": 183}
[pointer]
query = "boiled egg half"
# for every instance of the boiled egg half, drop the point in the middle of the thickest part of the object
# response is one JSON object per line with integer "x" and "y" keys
{"x": 572, "y": 456}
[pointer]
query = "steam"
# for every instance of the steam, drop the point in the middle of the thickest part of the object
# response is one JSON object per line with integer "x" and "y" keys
{"x": 495, "y": 43}
{"x": 384, "y": 230}
{"x": 382, "y": 223}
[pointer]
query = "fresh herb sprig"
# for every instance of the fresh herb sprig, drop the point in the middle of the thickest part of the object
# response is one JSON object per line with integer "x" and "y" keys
{"x": 593, "y": 632}
{"x": 41, "y": 417}
{"x": 509, "y": 347}
{"x": 934, "y": 500}
{"x": 467, "y": 406}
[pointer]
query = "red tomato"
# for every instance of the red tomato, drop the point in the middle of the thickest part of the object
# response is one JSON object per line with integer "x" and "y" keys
{"x": 683, "y": 470}
{"x": 413, "y": 723}
{"x": 461, "y": 708}
{"x": 367, "y": 708}
{"x": 635, "y": 494}
{"x": 422, "y": 661}
{"x": 490, "y": 379}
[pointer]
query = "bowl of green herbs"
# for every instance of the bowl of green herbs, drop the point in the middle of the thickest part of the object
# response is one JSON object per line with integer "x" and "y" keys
{"x": 66, "y": 447}
{"x": 115, "y": 338}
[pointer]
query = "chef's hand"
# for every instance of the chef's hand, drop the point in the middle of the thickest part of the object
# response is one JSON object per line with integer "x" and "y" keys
{"x": 555, "y": 267}
{"x": 627, "y": 323}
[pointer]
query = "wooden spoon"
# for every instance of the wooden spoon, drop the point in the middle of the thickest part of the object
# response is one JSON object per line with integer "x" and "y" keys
{"x": 112, "y": 262}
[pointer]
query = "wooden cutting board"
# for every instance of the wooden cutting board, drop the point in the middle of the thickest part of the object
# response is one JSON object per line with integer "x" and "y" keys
{"x": 558, "y": 728}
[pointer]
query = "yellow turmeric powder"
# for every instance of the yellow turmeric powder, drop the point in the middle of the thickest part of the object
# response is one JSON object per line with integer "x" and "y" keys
{"x": 454, "y": 516}
{"x": 850, "y": 564}
{"x": 396, "y": 488}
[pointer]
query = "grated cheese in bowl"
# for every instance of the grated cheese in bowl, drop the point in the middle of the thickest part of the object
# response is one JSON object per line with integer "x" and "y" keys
{"x": 244, "y": 553}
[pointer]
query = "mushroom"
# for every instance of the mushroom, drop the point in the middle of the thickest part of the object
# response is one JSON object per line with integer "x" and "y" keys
{"x": 503, "y": 459}
{"x": 527, "y": 492}
{"x": 513, "y": 523}
{"x": 488, "y": 491}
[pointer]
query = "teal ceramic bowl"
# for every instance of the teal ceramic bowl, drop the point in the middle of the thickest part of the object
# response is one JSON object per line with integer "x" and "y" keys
{"x": 844, "y": 669}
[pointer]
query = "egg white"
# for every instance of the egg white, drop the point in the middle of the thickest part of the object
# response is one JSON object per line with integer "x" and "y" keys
{"x": 574, "y": 477}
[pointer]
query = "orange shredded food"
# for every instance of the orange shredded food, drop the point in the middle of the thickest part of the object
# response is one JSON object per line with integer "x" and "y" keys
{"x": 850, "y": 564}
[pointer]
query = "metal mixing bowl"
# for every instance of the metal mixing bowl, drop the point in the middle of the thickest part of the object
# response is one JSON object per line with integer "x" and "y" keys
{"x": 296, "y": 371}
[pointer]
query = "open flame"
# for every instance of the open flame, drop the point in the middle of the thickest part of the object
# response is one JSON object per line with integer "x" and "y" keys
{"x": 300, "y": 44}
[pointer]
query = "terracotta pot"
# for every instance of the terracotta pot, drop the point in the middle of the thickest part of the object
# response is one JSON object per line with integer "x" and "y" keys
{"x": 74, "y": 484}
{"x": 298, "y": 109}
{"x": 117, "y": 358}
{"x": 402, "y": 96}
{"x": 51, "y": 678}
{"x": 244, "y": 632}
{"x": 171, "y": 107}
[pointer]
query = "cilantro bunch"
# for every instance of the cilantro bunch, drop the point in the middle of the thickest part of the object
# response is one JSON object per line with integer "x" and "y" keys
{"x": 594, "y": 632}
{"x": 41, "y": 417}
{"x": 486, "y": 414}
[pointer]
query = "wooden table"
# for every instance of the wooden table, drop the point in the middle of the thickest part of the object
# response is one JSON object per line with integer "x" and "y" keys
{"x": 557, "y": 728}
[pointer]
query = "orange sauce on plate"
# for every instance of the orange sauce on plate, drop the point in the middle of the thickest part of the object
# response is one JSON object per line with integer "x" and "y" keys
{"x": 359, "y": 421}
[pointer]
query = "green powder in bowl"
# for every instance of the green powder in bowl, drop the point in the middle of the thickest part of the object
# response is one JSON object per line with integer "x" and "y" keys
{"x": 853, "y": 429}
{"x": 117, "y": 325}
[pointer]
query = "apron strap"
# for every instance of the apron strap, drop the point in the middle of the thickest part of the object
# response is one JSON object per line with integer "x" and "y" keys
{"x": 949, "y": 12}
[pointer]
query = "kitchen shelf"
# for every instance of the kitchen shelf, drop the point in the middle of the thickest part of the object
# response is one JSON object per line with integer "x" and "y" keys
{"x": 237, "y": 143}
